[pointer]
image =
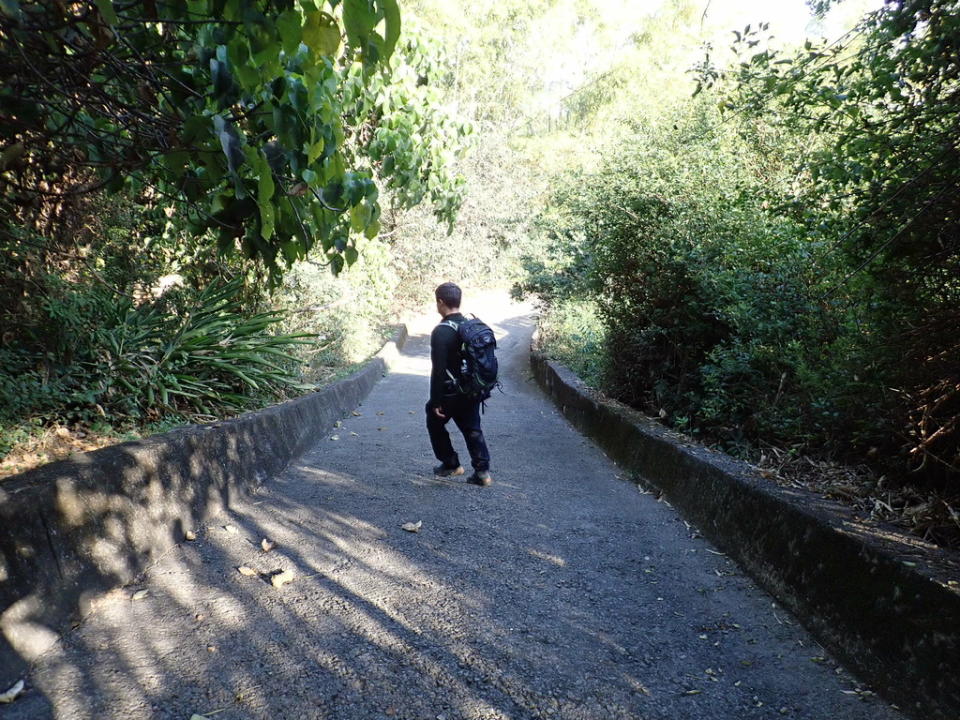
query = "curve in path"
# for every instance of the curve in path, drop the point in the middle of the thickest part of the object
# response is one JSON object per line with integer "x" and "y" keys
{"x": 562, "y": 591}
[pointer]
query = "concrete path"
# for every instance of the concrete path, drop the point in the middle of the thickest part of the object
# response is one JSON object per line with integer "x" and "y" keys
{"x": 561, "y": 591}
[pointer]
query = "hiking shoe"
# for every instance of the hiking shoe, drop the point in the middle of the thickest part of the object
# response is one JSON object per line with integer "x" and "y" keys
{"x": 447, "y": 471}
{"x": 480, "y": 477}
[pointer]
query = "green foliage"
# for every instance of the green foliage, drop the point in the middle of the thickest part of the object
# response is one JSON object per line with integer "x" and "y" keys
{"x": 571, "y": 332}
{"x": 181, "y": 354}
{"x": 241, "y": 111}
{"x": 416, "y": 140}
{"x": 711, "y": 302}
{"x": 878, "y": 181}
{"x": 193, "y": 146}
{"x": 349, "y": 315}
{"x": 786, "y": 271}
{"x": 884, "y": 101}
{"x": 204, "y": 357}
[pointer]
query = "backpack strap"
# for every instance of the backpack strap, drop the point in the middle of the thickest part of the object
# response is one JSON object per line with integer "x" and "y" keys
{"x": 456, "y": 329}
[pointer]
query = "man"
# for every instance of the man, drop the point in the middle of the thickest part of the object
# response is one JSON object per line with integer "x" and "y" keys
{"x": 445, "y": 402}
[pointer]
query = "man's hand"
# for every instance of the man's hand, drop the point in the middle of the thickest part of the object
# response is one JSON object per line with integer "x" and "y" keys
{"x": 438, "y": 411}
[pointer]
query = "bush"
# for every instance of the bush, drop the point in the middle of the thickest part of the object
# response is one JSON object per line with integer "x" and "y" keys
{"x": 195, "y": 355}
{"x": 349, "y": 314}
{"x": 714, "y": 306}
{"x": 571, "y": 332}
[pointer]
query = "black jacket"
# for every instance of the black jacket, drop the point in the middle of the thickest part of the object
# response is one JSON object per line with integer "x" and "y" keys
{"x": 444, "y": 356}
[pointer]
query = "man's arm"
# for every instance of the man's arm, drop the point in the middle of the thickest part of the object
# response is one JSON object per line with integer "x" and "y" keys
{"x": 443, "y": 341}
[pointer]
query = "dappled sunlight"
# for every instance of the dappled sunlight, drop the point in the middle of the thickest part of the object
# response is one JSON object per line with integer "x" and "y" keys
{"x": 508, "y": 602}
{"x": 299, "y": 176}
{"x": 378, "y": 619}
{"x": 326, "y": 477}
{"x": 553, "y": 559}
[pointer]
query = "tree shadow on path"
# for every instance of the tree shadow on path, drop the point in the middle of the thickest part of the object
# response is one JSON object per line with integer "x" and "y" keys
{"x": 559, "y": 592}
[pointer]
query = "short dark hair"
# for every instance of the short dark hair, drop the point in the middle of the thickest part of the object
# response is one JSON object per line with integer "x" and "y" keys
{"x": 449, "y": 294}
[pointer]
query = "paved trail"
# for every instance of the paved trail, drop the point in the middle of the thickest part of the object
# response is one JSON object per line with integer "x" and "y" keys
{"x": 559, "y": 592}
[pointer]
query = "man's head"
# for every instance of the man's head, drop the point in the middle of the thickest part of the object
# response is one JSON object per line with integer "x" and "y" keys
{"x": 448, "y": 298}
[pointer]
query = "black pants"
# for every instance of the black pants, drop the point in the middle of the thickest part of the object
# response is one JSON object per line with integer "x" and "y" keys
{"x": 466, "y": 414}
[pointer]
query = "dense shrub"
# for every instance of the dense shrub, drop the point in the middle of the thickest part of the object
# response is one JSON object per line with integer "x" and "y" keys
{"x": 188, "y": 354}
{"x": 574, "y": 335}
{"x": 880, "y": 113}
{"x": 713, "y": 304}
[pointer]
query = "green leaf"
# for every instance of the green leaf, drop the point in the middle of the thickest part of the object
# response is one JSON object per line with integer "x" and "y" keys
{"x": 321, "y": 33}
{"x": 372, "y": 49}
{"x": 351, "y": 255}
{"x": 11, "y": 8}
{"x": 267, "y": 216}
{"x": 315, "y": 150}
{"x": 291, "y": 251}
{"x": 357, "y": 218}
{"x": 289, "y": 26}
{"x": 265, "y": 184}
{"x": 355, "y": 187}
{"x": 392, "y": 33}
{"x": 176, "y": 162}
{"x": 359, "y": 19}
{"x": 107, "y": 12}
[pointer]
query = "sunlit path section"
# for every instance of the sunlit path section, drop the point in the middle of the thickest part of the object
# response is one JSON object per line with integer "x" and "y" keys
{"x": 561, "y": 591}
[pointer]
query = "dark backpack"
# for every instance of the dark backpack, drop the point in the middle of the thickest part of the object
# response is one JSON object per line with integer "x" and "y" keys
{"x": 478, "y": 371}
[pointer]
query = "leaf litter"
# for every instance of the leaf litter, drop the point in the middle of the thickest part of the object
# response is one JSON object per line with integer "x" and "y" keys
{"x": 931, "y": 515}
{"x": 281, "y": 578}
{"x": 13, "y": 693}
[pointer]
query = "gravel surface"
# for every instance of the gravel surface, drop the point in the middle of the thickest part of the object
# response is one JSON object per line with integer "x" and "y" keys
{"x": 561, "y": 591}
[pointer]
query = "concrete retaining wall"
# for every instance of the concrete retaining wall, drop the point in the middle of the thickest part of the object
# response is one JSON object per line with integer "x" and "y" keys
{"x": 72, "y": 529}
{"x": 886, "y": 603}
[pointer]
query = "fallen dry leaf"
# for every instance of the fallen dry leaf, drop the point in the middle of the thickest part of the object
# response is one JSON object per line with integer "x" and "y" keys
{"x": 296, "y": 190}
{"x": 140, "y": 595}
{"x": 281, "y": 578}
{"x": 267, "y": 545}
{"x": 356, "y": 413}
{"x": 244, "y": 570}
{"x": 190, "y": 535}
{"x": 413, "y": 527}
{"x": 13, "y": 693}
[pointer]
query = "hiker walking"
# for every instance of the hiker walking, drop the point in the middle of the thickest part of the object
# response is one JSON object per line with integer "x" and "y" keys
{"x": 450, "y": 396}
